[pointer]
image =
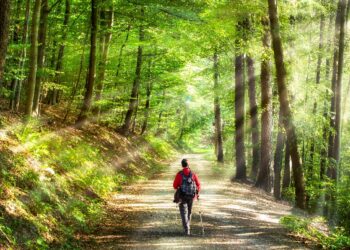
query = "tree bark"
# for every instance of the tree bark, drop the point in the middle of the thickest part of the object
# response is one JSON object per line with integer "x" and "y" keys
{"x": 217, "y": 111}
{"x": 284, "y": 104}
{"x": 338, "y": 61}
{"x": 325, "y": 134}
{"x": 121, "y": 53}
{"x": 41, "y": 54}
{"x": 33, "y": 58}
{"x": 16, "y": 41}
{"x": 318, "y": 79}
{"x": 5, "y": 7}
{"x": 253, "y": 112}
{"x": 125, "y": 130}
{"x": 149, "y": 86}
{"x": 161, "y": 113}
{"x": 18, "y": 89}
{"x": 77, "y": 83}
{"x": 59, "y": 63}
{"x": 239, "y": 119}
{"x": 286, "y": 174}
{"x": 92, "y": 67}
{"x": 266, "y": 114}
{"x": 338, "y": 89}
{"x": 277, "y": 164}
{"x": 107, "y": 23}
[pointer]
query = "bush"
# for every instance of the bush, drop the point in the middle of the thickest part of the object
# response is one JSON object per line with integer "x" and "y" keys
{"x": 336, "y": 239}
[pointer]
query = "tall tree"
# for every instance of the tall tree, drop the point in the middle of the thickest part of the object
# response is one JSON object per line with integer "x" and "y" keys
{"x": 18, "y": 87}
{"x": 277, "y": 163}
{"x": 4, "y": 32}
{"x": 33, "y": 58}
{"x": 149, "y": 86}
{"x": 16, "y": 41}
{"x": 52, "y": 97}
{"x": 217, "y": 111}
{"x": 266, "y": 114}
{"x": 92, "y": 67}
{"x": 286, "y": 172}
{"x": 318, "y": 80}
{"x": 41, "y": 54}
{"x": 284, "y": 104}
{"x": 325, "y": 134}
{"x": 338, "y": 62}
{"x": 107, "y": 17}
{"x": 338, "y": 90}
{"x": 136, "y": 84}
{"x": 253, "y": 112}
{"x": 241, "y": 172}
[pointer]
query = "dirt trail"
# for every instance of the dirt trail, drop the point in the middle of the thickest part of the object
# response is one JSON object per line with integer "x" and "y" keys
{"x": 235, "y": 216}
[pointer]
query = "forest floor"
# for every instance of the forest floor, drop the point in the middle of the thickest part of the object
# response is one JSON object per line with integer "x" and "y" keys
{"x": 234, "y": 215}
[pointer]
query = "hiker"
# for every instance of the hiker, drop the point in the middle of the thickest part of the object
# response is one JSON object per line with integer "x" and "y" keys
{"x": 187, "y": 185}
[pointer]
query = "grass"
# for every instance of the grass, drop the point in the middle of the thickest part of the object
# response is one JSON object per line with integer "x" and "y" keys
{"x": 54, "y": 182}
{"x": 315, "y": 231}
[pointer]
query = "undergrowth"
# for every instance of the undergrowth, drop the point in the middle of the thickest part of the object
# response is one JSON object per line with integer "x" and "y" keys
{"x": 54, "y": 183}
{"x": 313, "y": 230}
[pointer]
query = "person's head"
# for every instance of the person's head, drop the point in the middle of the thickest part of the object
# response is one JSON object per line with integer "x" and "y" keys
{"x": 184, "y": 163}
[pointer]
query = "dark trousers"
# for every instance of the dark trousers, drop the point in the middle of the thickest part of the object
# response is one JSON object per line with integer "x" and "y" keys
{"x": 185, "y": 207}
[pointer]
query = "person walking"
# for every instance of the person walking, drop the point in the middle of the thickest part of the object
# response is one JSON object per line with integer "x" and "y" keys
{"x": 188, "y": 186}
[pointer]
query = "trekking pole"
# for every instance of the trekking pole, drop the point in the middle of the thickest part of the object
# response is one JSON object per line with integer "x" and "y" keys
{"x": 176, "y": 213}
{"x": 200, "y": 216}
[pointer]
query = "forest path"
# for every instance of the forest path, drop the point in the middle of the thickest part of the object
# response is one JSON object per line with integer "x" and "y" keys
{"x": 235, "y": 215}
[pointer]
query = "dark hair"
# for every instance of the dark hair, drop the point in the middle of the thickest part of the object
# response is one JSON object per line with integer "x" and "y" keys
{"x": 184, "y": 163}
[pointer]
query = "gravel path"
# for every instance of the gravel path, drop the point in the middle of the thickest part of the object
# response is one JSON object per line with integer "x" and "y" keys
{"x": 235, "y": 215}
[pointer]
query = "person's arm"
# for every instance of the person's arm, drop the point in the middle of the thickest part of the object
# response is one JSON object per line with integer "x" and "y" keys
{"x": 177, "y": 181}
{"x": 198, "y": 184}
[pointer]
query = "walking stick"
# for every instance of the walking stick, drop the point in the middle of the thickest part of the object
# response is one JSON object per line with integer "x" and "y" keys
{"x": 200, "y": 216}
{"x": 177, "y": 210}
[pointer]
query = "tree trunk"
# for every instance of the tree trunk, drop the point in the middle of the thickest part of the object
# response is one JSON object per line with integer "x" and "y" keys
{"x": 148, "y": 99}
{"x": 92, "y": 67}
{"x": 59, "y": 64}
{"x": 278, "y": 158}
{"x": 217, "y": 111}
{"x": 161, "y": 113}
{"x": 338, "y": 62}
{"x": 286, "y": 174}
{"x": 121, "y": 54}
{"x": 182, "y": 128}
{"x": 33, "y": 58}
{"x": 338, "y": 89}
{"x": 133, "y": 124}
{"x": 266, "y": 114}
{"x": 5, "y": 7}
{"x": 77, "y": 83}
{"x": 239, "y": 119}
{"x": 16, "y": 41}
{"x": 253, "y": 112}
{"x": 106, "y": 23}
{"x": 18, "y": 89}
{"x": 284, "y": 104}
{"x": 41, "y": 54}
{"x": 318, "y": 79}
{"x": 136, "y": 85}
{"x": 325, "y": 134}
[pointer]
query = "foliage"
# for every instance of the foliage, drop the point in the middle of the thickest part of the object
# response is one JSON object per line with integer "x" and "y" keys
{"x": 54, "y": 183}
{"x": 309, "y": 229}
